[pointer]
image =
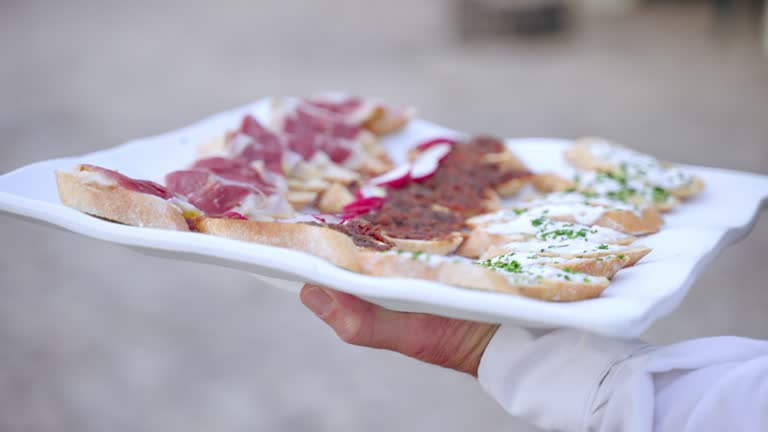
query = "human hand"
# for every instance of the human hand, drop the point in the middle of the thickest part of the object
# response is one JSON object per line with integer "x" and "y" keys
{"x": 447, "y": 342}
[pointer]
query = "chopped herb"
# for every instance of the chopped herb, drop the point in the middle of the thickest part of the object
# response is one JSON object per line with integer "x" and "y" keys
{"x": 621, "y": 257}
{"x": 563, "y": 233}
{"x": 538, "y": 221}
{"x": 622, "y": 194}
{"x": 512, "y": 266}
{"x": 567, "y": 277}
{"x": 554, "y": 246}
{"x": 417, "y": 254}
{"x": 586, "y": 280}
{"x": 519, "y": 211}
{"x": 603, "y": 247}
{"x": 568, "y": 270}
{"x": 660, "y": 195}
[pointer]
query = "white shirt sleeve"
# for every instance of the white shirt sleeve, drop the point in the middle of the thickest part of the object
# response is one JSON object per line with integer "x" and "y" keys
{"x": 567, "y": 380}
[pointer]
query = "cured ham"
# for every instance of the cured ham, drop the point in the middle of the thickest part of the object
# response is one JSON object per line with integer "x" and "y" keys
{"x": 218, "y": 186}
{"x": 143, "y": 186}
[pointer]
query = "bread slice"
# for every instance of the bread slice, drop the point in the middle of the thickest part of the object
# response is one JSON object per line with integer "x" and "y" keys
{"x": 316, "y": 240}
{"x": 525, "y": 228}
{"x": 467, "y": 274}
{"x": 606, "y": 266}
{"x": 98, "y": 195}
{"x": 632, "y": 222}
{"x": 597, "y": 154}
{"x": 643, "y": 195}
{"x": 629, "y": 255}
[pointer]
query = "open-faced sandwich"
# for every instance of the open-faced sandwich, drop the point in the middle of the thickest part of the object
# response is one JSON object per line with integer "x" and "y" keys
{"x": 317, "y": 179}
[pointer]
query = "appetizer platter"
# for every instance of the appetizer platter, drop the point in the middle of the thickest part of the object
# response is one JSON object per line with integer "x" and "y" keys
{"x": 362, "y": 196}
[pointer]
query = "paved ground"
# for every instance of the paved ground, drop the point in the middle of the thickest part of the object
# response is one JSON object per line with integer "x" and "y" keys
{"x": 97, "y": 338}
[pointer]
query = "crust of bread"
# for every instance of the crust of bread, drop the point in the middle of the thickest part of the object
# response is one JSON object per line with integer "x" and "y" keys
{"x": 443, "y": 246}
{"x": 334, "y": 199}
{"x": 467, "y": 275}
{"x": 579, "y": 156}
{"x": 118, "y": 204}
{"x": 550, "y": 182}
{"x": 481, "y": 240}
{"x": 512, "y": 186}
{"x": 690, "y": 190}
{"x": 319, "y": 241}
{"x": 648, "y": 222}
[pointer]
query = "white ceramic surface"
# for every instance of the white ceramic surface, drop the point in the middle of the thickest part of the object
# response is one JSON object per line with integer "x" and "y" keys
{"x": 693, "y": 235}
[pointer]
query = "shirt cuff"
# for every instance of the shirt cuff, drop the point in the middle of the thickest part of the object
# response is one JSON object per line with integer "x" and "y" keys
{"x": 549, "y": 379}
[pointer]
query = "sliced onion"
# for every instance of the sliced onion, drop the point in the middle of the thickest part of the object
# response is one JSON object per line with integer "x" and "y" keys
{"x": 371, "y": 191}
{"x": 435, "y": 141}
{"x": 428, "y": 161}
{"x": 396, "y": 178}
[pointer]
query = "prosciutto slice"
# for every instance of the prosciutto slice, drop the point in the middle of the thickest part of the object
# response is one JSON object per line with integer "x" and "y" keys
{"x": 207, "y": 191}
{"x": 142, "y": 186}
{"x": 254, "y": 142}
{"x": 219, "y": 186}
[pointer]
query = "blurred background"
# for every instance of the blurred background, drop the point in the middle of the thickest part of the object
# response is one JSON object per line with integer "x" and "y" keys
{"x": 94, "y": 337}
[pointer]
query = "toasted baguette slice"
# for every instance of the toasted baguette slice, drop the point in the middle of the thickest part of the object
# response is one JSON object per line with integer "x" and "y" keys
{"x": 465, "y": 273}
{"x": 320, "y": 241}
{"x": 647, "y": 218}
{"x": 96, "y": 194}
{"x": 597, "y": 154}
{"x": 630, "y": 222}
{"x": 606, "y": 266}
{"x": 643, "y": 195}
{"x": 630, "y": 255}
{"x": 525, "y": 228}
{"x": 439, "y": 246}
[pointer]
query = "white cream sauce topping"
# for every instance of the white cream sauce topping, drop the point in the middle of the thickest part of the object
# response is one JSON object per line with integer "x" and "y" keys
{"x": 550, "y": 230}
{"x": 519, "y": 273}
{"x": 569, "y": 247}
{"x": 641, "y": 166}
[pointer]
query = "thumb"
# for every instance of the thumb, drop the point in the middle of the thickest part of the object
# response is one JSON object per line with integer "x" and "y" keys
{"x": 447, "y": 342}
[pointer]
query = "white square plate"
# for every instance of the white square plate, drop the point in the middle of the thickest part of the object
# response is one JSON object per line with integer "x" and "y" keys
{"x": 693, "y": 235}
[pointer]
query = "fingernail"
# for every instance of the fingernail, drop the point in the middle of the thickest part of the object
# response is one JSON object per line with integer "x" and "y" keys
{"x": 318, "y": 301}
